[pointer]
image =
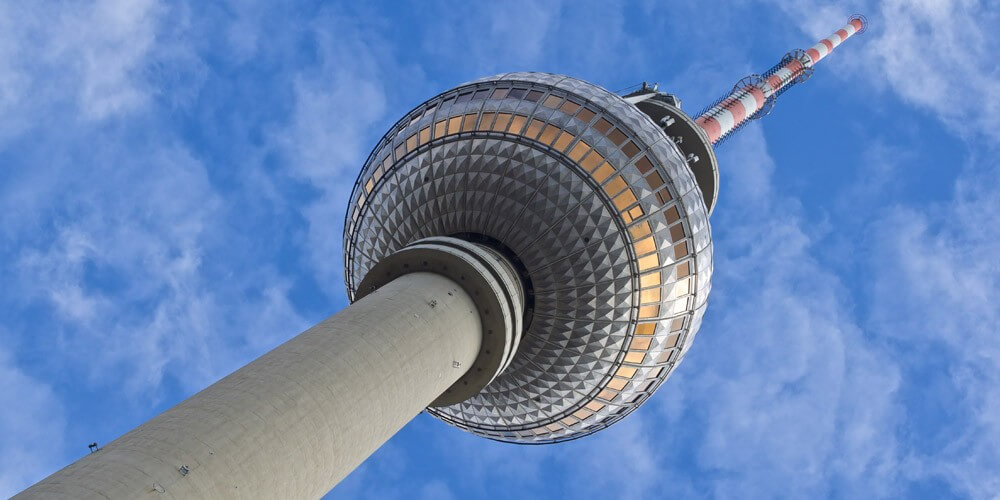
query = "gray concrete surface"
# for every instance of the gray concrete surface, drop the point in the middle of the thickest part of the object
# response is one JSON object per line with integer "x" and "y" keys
{"x": 294, "y": 422}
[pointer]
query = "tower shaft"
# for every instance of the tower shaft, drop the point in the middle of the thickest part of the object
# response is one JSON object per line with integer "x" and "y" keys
{"x": 757, "y": 93}
{"x": 298, "y": 419}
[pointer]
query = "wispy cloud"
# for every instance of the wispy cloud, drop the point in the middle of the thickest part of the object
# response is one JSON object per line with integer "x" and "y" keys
{"x": 783, "y": 387}
{"x": 33, "y": 417}
{"x": 928, "y": 53}
{"x": 129, "y": 273}
{"x": 89, "y": 57}
{"x": 935, "y": 295}
{"x": 337, "y": 101}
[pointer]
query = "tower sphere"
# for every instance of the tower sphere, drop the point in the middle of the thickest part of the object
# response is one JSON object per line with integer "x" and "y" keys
{"x": 596, "y": 209}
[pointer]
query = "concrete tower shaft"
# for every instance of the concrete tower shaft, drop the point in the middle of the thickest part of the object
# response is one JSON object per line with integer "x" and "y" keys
{"x": 756, "y": 93}
{"x": 294, "y": 422}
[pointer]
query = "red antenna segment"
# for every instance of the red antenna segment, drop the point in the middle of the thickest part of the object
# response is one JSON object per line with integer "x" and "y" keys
{"x": 753, "y": 96}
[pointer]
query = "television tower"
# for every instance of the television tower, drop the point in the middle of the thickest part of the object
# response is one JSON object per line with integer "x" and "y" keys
{"x": 528, "y": 257}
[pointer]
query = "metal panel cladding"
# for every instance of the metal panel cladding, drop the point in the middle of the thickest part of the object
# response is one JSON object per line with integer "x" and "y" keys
{"x": 596, "y": 203}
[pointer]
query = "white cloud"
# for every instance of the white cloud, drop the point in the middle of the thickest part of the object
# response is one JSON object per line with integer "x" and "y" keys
{"x": 937, "y": 286}
{"x": 511, "y": 38}
{"x": 132, "y": 274}
{"x": 88, "y": 56}
{"x": 337, "y": 104}
{"x": 32, "y": 418}
{"x": 932, "y": 54}
{"x": 790, "y": 392}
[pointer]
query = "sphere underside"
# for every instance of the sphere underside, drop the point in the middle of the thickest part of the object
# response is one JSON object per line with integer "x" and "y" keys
{"x": 599, "y": 208}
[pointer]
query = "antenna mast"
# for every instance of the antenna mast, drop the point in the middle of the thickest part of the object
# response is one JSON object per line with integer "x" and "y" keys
{"x": 754, "y": 96}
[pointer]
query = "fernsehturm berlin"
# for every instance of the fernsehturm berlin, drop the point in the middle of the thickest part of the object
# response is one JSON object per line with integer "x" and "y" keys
{"x": 528, "y": 257}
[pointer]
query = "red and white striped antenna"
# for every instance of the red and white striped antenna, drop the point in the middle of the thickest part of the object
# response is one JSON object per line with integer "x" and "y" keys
{"x": 754, "y": 96}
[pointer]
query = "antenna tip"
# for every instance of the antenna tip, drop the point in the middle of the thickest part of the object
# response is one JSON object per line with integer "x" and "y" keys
{"x": 861, "y": 23}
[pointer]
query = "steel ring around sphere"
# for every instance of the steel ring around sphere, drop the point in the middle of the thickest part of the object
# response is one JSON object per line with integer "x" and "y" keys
{"x": 490, "y": 282}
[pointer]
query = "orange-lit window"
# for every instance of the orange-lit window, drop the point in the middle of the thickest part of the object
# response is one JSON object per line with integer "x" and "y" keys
{"x": 582, "y": 413}
{"x": 683, "y": 269}
{"x": 607, "y": 395}
{"x": 646, "y": 312}
{"x": 635, "y": 357}
{"x": 441, "y": 128}
{"x": 592, "y": 161}
{"x": 502, "y": 120}
{"x": 603, "y": 172}
{"x": 640, "y": 230}
{"x": 625, "y": 200}
{"x": 369, "y": 185}
{"x": 486, "y": 121}
{"x": 625, "y": 371}
{"x": 649, "y": 295}
{"x": 552, "y": 101}
{"x": 595, "y": 406}
{"x": 640, "y": 343}
{"x": 400, "y": 151}
{"x": 563, "y": 141}
{"x": 665, "y": 356}
{"x": 648, "y": 262}
{"x": 677, "y": 325}
{"x": 517, "y": 124}
{"x": 425, "y": 135}
{"x": 534, "y": 128}
{"x": 411, "y": 142}
{"x": 636, "y": 212}
{"x": 548, "y": 134}
{"x": 469, "y": 122}
{"x": 615, "y": 186}
{"x": 569, "y": 107}
{"x": 617, "y": 383}
{"x": 645, "y": 246}
{"x": 585, "y": 115}
{"x": 455, "y": 125}
{"x": 648, "y": 280}
{"x": 579, "y": 150}
{"x": 645, "y": 328}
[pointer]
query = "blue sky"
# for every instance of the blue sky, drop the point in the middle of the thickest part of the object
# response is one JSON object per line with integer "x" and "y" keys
{"x": 173, "y": 179}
